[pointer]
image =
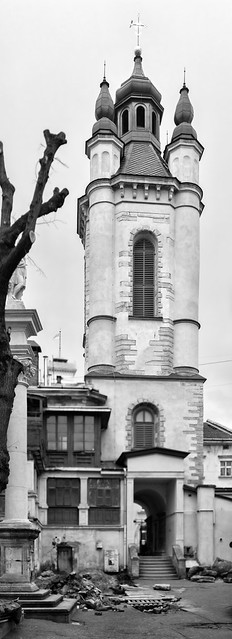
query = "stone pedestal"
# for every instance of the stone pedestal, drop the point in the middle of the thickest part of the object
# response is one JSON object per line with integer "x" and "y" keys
{"x": 17, "y": 533}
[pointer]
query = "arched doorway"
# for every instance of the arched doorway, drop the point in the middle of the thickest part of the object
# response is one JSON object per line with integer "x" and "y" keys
{"x": 153, "y": 526}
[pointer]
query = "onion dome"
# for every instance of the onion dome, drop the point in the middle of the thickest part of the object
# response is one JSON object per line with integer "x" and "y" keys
{"x": 104, "y": 111}
{"x": 138, "y": 85}
{"x": 104, "y": 105}
{"x": 183, "y": 117}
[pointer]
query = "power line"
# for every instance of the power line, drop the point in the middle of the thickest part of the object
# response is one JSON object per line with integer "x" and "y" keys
{"x": 219, "y": 361}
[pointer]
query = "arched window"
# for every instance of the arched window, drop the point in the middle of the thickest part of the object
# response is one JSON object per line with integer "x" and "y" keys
{"x": 125, "y": 121}
{"x": 143, "y": 278}
{"x": 153, "y": 123}
{"x": 140, "y": 116}
{"x": 145, "y": 427}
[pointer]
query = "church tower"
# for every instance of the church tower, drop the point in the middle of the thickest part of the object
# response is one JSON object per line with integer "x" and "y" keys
{"x": 139, "y": 224}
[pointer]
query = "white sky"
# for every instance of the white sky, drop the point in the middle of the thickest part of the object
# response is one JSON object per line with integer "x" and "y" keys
{"x": 51, "y": 65}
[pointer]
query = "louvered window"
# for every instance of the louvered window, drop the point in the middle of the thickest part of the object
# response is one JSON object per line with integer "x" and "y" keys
{"x": 143, "y": 278}
{"x": 144, "y": 425}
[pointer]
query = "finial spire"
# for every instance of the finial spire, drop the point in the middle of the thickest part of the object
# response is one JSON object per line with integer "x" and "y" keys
{"x": 137, "y": 24}
{"x": 104, "y": 73}
{"x": 184, "y": 76}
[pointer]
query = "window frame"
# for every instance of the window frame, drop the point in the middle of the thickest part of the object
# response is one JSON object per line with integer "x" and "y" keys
{"x": 150, "y": 439}
{"x": 63, "y": 513}
{"x": 226, "y": 464}
{"x": 144, "y": 291}
{"x": 57, "y": 448}
{"x": 84, "y": 449}
{"x": 140, "y": 109}
{"x": 122, "y": 120}
{"x": 99, "y": 493}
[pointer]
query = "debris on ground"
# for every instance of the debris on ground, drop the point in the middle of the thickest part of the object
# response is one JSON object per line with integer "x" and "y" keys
{"x": 10, "y": 610}
{"x": 220, "y": 569}
{"x": 162, "y": 587}
{"x": 98, "y": 591}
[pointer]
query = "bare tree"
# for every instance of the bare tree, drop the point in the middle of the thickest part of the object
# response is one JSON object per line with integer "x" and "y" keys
{"x": 15, "y": 242}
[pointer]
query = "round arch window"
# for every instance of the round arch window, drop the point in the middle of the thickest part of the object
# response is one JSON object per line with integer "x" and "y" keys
{"x": 145, "y": 427}
{"x": 125, "y": 121}
{"x": 140, "y": 117}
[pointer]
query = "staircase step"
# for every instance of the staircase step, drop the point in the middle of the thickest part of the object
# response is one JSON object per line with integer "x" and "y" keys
{"x": 62, "y": 613}
{"x": 50, "y": 602}
{"x": 42, "y": 593}
{"x": 157, "y": 567}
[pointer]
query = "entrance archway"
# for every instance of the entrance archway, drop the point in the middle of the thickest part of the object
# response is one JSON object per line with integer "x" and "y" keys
{"x": 153, "y": 533}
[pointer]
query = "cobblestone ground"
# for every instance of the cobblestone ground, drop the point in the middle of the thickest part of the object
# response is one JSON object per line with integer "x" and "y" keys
{"x": 205, "y": 613}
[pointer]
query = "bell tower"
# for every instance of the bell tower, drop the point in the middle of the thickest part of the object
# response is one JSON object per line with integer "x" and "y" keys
{"x": 139, "y": 224}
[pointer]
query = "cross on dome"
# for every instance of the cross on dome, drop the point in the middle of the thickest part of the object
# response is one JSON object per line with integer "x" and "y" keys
{"x": 137, "y": 24}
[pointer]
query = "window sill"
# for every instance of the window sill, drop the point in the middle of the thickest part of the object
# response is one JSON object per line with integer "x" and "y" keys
{"x": 156, "y": 318}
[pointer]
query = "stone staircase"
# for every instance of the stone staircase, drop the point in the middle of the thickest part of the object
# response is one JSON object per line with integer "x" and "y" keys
{"x": 41, "y": 604}
{"x": 156, "y": 567}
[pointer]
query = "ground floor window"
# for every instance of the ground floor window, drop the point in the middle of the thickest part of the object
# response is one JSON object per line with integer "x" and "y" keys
{"x": 63, "y": 498}
{"x": 226, "y": 467}
{"x": 104, "y": 501}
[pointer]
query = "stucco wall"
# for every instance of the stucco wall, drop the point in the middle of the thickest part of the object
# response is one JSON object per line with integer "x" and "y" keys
{"x": 180, "y": 406}
{"x": 190, "y": 519}
{"x": 85, "y": 541}
{"x": 212, "y": 456}
{"x": 223, "y": 528}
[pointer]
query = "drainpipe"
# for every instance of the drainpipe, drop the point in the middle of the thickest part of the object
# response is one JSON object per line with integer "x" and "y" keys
{"x": 124, "y": 522}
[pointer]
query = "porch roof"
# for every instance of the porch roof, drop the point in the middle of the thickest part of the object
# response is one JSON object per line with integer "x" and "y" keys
{"x": 171, "y": 452}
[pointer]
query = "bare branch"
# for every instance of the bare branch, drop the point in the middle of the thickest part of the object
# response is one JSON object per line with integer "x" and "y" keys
{"x": 21, "y": 226}
{"x": 53, "y": 142}
{"x": 51, "y": 206}
{"x": 7, "y": 192}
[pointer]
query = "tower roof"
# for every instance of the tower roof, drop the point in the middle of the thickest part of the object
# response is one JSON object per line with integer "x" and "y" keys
{"x": 104, "y": 107}
{"x": 141, "y": 158}
{"x": 138, "y": 85}
{"x": 104, "y": 110}
{"x": 183, "y": 117}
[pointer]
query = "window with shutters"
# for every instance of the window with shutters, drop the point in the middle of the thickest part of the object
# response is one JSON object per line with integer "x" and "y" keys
{"x": 104, "y": 501}
{"x": 63, "y": 498}
{"x": 145, "y": 427}
{"x": 144, "y": 278}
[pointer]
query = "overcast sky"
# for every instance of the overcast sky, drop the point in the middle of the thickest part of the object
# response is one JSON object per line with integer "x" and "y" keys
{"x": 51, "y": 64}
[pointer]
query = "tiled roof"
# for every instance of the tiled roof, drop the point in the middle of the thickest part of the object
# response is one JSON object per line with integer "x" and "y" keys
{"x": 216, "y": 431}
{"x": 141, "y": 158}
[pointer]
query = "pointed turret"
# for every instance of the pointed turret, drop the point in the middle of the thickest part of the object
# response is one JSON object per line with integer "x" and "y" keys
{"x": 183, "y": 117}
{"x": 104, "y": 110}
{"x": 184, "y": 151}
{"x": 104, "y": 149}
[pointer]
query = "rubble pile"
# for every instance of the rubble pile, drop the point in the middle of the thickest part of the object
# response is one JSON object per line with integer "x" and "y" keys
{"x": 220, "y": 569}
{"x": 10, "y": 610}
{"x": 100, "y": 592}
{"x": 91, "y": 590}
